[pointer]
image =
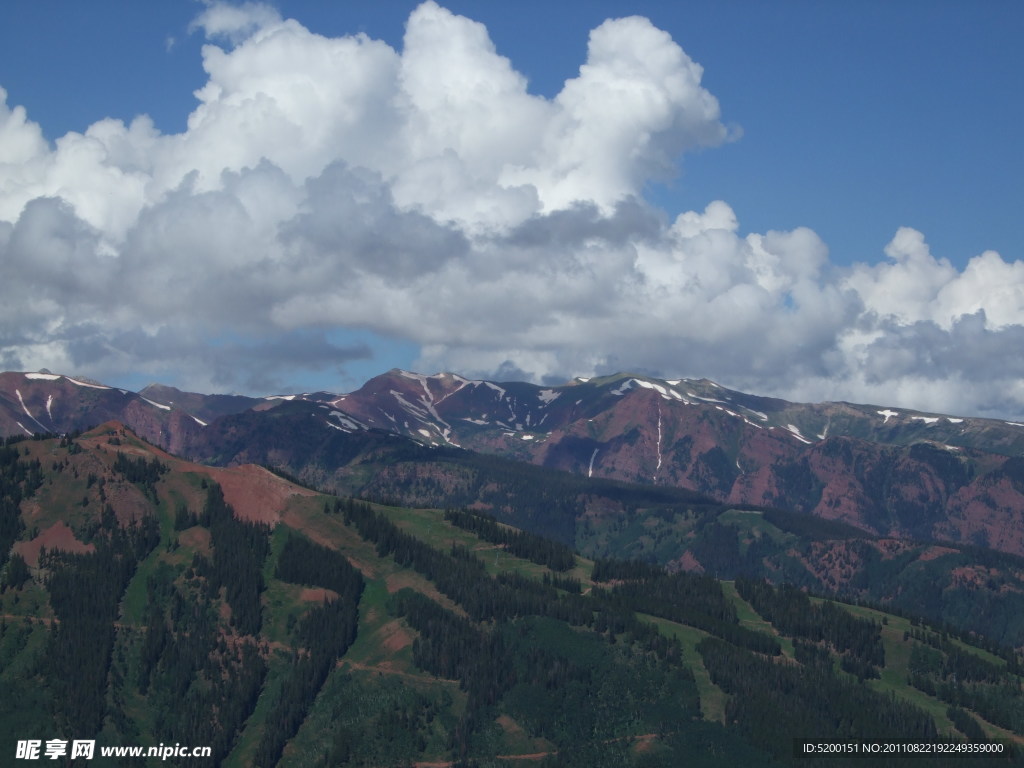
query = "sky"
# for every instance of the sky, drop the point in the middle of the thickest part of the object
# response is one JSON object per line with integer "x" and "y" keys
{"x": 818, "y": 201}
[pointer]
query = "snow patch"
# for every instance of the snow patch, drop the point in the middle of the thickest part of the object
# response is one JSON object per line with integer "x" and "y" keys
{"x": 667, "y": 394}
{"x": 478, "y": 422}
{"x": 658, "y": 468}
{"x": 705, "y": 399}
{"x": 414, "y": 376}
{"x": 44, "y": 376}
{"x": 794, "y": 430}
{"x": 462, "y": 385}
{"x": 651, "y": 385}
{"x": 548, "y": 396}
{"x": 888, "y": 414}
{"x": 428, "y": 403}
{"x": 926, "y": 419}
{"x": 527, "y": 437}
{"x": 623, "y": 388}
{"x": 279, "y": 397}
{"x": 590, "y": 469}
{"x": 415, "y": 409}
{"x": 24, "y": 408}
{"x": 161, "y": 406}
{"x": 49, "y": 404}
{"x": 495, "y": 387}
{"x": 424, "y": 433}
{"x": 23, "y": 427}
{"x": 1015, "y": 424}
{"x": 674, "y": 382}
{"x": 199, "y": 421}
{"x": 951, "y": 420}
{"x": 86, "y": 384}
{"x": 345, "y": 420}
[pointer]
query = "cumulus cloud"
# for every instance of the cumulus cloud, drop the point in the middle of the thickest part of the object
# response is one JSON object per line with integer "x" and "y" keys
{"x": 235, "y": 23}
{"x": 426, "y": 195}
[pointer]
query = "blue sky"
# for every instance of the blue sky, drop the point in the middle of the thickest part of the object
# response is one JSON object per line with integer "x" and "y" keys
{"x": 857, "y": 117}
{"x": 853, "y": 120}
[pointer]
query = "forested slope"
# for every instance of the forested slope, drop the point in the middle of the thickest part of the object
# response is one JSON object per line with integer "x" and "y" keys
{"x": 140, "y": 606}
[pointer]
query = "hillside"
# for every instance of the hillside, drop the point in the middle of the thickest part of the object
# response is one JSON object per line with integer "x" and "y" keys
{"x": 230, "y": 608}
{"x": 888, "y": 471}
{"x": 967, "y": 586}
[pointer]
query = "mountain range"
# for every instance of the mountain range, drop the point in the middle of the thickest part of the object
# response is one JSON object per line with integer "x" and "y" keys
{"x": 887, "y": 471}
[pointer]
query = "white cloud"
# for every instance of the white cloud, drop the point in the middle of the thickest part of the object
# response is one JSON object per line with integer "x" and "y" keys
{"x": 235, "y": 23}
{"x": 427, "y": 195}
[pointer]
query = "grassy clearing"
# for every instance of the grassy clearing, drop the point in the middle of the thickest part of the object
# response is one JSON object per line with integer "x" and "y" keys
{"x": 897, "y": 660}
{"x": 353, "y": 707}
{"x": 894, "y": 674}
{"x": 905, "y": 625}
{"x": 754, "y": 524}
{"x": 20, "y": 643}
{"x": 244, "y": 753}
{"x": 133, "y": 605}
{"x": 305, "y": 514}
{"x": 517, "y": 741}
{"x": 59, "y": 498}
{"x": 752, "y": 619}
{"x": 383, "y": 643}
{"x": 712, "y": 698}
{"x": 897, "y": 665}
{"x": 31, "y": 601}
{"x": 429, "y": 526}
{"x": 373, "y": 616}
{"x": 281, "y": 601}
{"x": 278, "y": 538}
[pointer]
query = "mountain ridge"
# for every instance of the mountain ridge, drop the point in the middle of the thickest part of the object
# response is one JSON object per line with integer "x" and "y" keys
{"x": 158, "y": 395}
{"x": 893, "y": 472}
